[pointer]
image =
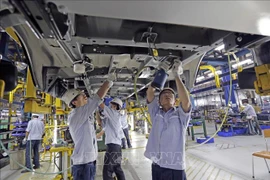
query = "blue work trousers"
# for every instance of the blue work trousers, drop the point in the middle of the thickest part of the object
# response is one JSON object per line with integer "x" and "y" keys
{"x": 32, "y": 148}
{"x": 84, "y": 171}
{"x": 160, "y": 173}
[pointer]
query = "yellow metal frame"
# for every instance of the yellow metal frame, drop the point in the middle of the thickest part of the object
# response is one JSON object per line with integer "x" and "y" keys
{"x": 31, "y": 101}
{"x": 213, "y": 70}
{"x": 2, "y": 88}
{"x": 262, "y": 85}
{"x": 239, "y": 67}
{"x": 13, "y": 35}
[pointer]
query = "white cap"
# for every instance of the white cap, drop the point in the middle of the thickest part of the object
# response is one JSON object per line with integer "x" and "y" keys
{"x": 117, "y": 101}
{"x": 70, "y": 95}
{"x": 33, "y": 114}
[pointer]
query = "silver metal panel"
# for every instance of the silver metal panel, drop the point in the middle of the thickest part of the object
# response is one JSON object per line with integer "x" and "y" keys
{"x": 239, "y": 16}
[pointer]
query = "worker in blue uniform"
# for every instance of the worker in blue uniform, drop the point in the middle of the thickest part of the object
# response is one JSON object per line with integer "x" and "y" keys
{"x": 81, "y": 126}
{"x": 125, "y": 128}
{"x": 113, "y": 140}
{"x": 166, "y": 143}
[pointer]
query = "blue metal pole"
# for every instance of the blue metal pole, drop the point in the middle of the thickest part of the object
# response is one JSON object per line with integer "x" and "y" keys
{"x": 226, "y": 89}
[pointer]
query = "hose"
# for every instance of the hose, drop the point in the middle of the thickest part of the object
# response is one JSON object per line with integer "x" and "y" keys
{"x": 226, "y": 112}
{"x": 136, "y": 94}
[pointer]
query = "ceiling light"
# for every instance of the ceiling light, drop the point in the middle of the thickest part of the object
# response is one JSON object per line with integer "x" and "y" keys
{"x": 21, "y": 65}
{"x": 217, "y": 72}
{"x": 247, "y": 61}
{"x": 200, "y": 78}
{"x": 263, "y": 26}
{"x": 219, "y": 48}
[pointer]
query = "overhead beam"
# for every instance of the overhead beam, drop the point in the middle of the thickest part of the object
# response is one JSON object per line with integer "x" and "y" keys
{"x": 117, "y": 50}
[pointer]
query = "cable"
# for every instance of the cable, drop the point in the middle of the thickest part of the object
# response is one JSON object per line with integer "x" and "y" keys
{"x": 226, "y": 112}
{"x": 136, "y": 94}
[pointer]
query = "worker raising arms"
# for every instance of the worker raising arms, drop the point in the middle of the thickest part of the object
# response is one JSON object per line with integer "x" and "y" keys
{"x": 165, "y": 146}
{"x": 81, "y": 126}
{"x": 113, "y": 140}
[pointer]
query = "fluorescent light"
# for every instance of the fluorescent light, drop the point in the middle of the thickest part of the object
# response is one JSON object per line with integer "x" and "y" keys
{"x": 263, "y": 26}
{"x": 200, "y": 78}
{"x": 21, "y": 66}
{"x": 217, "y": 72}
{"x": 247, "y": 61}
{"x": 219, "y": 48}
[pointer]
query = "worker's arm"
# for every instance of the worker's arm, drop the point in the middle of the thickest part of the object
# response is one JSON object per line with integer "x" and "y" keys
{"x": 28, "y": 129}
{"x": 100, "y": 134}
{"x": 102, "y": 106}
{"x": 150, "y": 94}
{"x": 152, "y": 102}
{"x": 43, "y": 130}
{"x": 111, "y": 114}
{"x": 106, "y": 86}
{"x": 98, "y": 118}
{"x": 26, "y": 135}
{"x": 104, "y": 89}
{"x": 96, "y": 100}
{"x": 183, "y": 94}
{"x": 181, "y": 89}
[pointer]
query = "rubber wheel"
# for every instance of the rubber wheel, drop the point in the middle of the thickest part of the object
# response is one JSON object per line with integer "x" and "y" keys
{"x": 9, "y": 73}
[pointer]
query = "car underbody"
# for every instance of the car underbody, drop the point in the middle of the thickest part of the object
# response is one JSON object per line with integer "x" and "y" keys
{"x": 56, "y": 35}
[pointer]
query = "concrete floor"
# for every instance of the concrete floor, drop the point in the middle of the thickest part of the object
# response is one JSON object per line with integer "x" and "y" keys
{"x": 227, "y": 158}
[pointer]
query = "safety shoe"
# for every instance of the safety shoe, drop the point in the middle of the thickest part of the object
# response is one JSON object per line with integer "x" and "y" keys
{"x": 35, "y": 167}
{"x": 25, "y": 171}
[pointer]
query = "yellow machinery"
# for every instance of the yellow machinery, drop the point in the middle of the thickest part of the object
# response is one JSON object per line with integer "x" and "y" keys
{"x": 32, "y": 104}
{"x": 2, "y": 88}
{"x": 262, "y": 85}
{"x": 65, "y": 153}
{"x": 213, "y": 70}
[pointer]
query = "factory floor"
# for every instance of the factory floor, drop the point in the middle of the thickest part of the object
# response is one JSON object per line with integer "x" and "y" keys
{"x": 228, "y": 158}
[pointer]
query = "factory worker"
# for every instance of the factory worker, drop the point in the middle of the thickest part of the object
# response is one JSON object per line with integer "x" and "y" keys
{"x": 166, "y": 143}
{"x": 33, "y": 136}
{"x": 251, "y": 115}
{"x": 81, "y": 127}
{"x": 124, "y": 124}
{"x": 114, "y": 134}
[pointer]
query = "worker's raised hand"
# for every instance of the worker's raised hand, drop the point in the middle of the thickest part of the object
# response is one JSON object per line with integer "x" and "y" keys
{"x": 177, "y": 68}
{"x": 111, "y": 78}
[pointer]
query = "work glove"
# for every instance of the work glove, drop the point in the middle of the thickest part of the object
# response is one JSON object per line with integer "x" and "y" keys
{"x": 164, "y": 65}
{"x": 111, "y": 78}
{"x": 177, "y": 68}
{"x": 24, "y": 141}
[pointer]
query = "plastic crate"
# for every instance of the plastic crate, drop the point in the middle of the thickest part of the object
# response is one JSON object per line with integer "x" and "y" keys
{"x": 240, "y": 131}
{"x": 202, "y": 139}
{"x": 18, "y": 134}
{"x": 225, "y": 134}
{"x": 199, "y": 123}
{"x": 265, "y": 127}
